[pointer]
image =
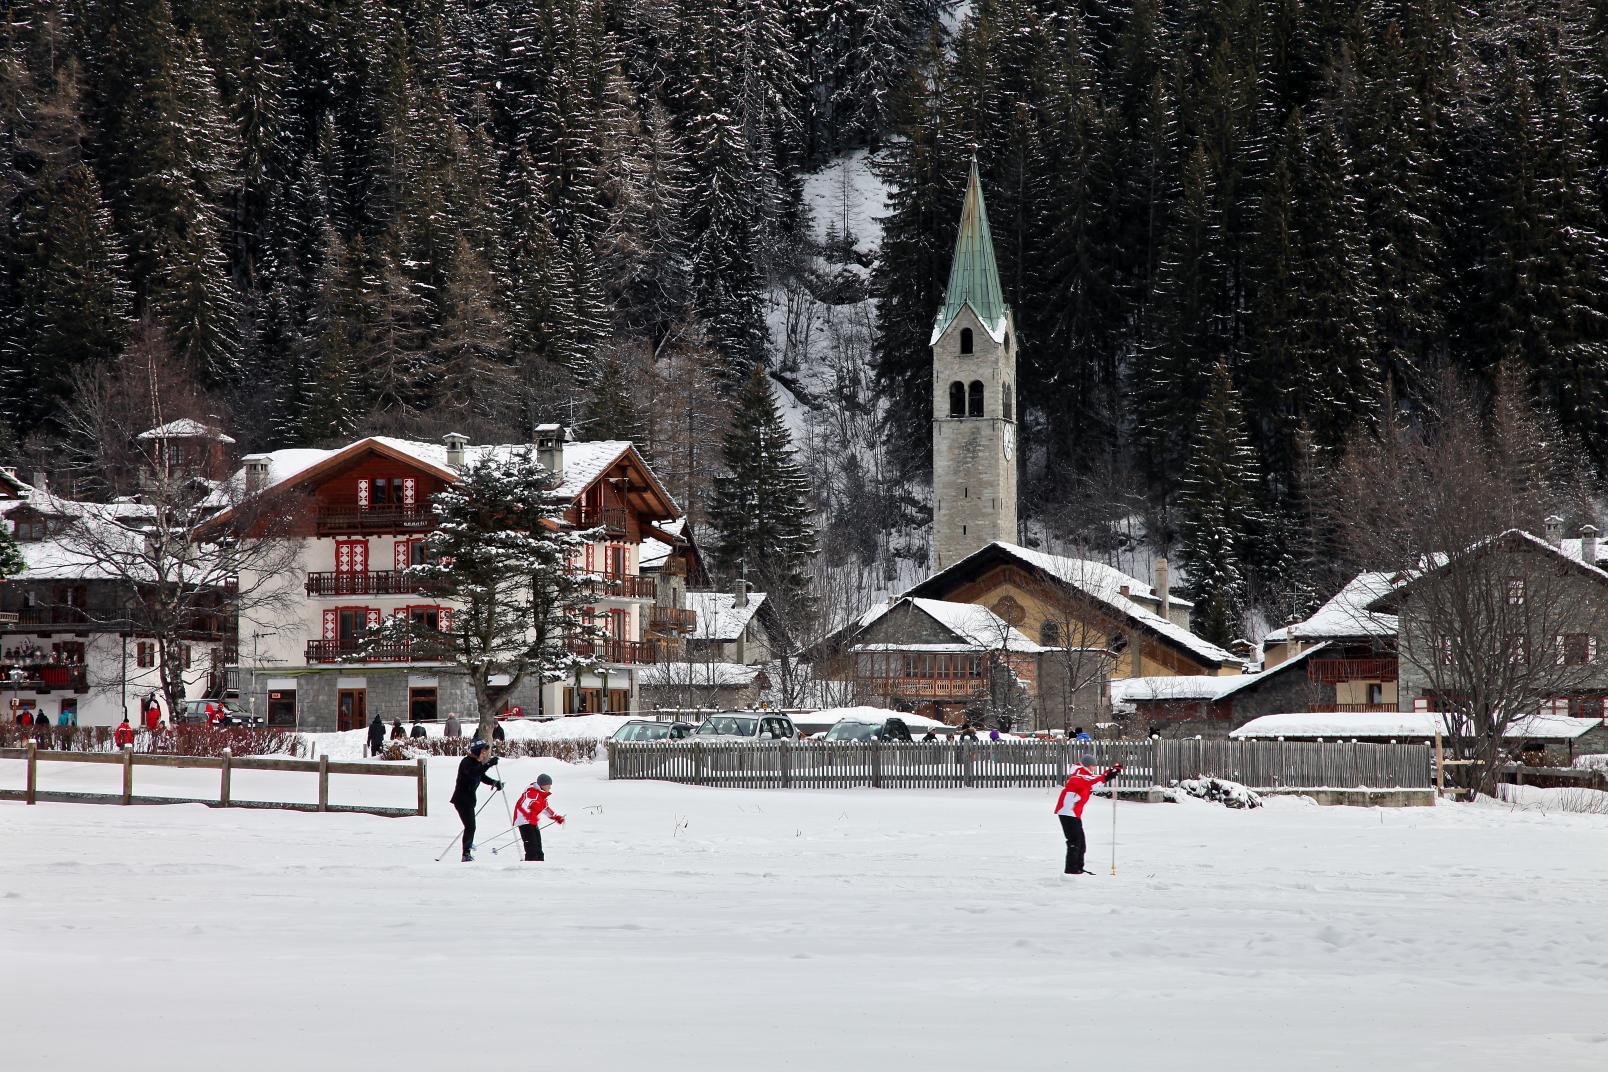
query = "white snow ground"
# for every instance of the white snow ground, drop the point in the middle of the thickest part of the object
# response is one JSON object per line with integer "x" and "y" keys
{"x": 684, "y": 928}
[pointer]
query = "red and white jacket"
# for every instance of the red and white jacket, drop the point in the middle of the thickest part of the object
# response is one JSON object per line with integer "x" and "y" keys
{"x": 1076, "y": 792}
{"x": 531, "y": 807}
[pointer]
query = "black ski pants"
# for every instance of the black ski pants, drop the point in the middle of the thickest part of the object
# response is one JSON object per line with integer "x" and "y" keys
{"x": 466, "y": 812}
{"x": 531, "y": 835}
{"x": 1076, "y": 843}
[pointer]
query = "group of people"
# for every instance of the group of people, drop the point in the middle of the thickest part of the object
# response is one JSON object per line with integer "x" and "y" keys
{"x": 451, "y": 728}
{"x": 33, "y": 653}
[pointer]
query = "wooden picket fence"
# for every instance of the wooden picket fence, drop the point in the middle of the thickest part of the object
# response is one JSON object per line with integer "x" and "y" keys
{"x": 1019, "y": 764}
{"x": 225, "y": 765}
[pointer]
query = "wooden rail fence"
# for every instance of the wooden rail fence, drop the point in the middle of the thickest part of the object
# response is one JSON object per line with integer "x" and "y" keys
{"x": 1266, "y": 765}
{"x": 225, "y": 764}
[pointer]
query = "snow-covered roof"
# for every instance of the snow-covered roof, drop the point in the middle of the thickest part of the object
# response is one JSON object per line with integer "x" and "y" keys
{"x": 719, "y": 616}
{"x": 833, "y": 715}
{"x": 652, "y": 553}
{"x": 695, "y": 675}
{"x": 1401, "y": 724}
{"x": 584, "y": 462}
{"x": 1346, "y": 615}
{"x": 183, "y": 428}
{"x": 1184, "y": 688}
{"x": 974, "y": 627}
{"x": 1105, "y": 584}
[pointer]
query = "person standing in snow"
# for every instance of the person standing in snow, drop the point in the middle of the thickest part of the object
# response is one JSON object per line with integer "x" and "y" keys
{"x": 529, "y": 810}
{"x": 376, "y": 737}
{"x": 471, "y": 775}
{"x": 1069, "y": 809}
{"x": 454, "y": 727}
{"x": 123, "y": 736}
{"x": 418, "y": 731}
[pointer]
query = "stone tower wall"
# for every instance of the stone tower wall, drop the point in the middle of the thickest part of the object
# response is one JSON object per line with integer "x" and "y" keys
{"x": 973, "y": 458}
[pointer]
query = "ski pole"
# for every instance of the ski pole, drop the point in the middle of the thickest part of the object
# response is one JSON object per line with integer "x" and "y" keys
{"x": 458, "y": 835}
{"x": 496, "y": 848}
{"x": 1114, "y": 828}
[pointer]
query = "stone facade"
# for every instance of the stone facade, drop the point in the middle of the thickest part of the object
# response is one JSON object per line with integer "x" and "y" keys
{"x": 317, "y": 693}
{"x": 973, "y": 457}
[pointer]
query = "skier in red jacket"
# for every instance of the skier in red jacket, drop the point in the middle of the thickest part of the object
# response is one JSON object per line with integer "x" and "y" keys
{"x": 1069, "y": 809}
{"x": 529, "y": 810}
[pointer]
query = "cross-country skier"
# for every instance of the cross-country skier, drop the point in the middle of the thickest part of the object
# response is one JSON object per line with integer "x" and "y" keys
{"x": 1069, "y": 809}
{"x": 471, "y": 775}
{"x": 529, "y": 811}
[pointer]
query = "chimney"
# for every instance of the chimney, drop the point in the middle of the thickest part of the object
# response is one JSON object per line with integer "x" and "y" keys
{"x": 1125, "y": 590}
{"x": 1554, "y": 530}
{"x": 1162, "y": 580}
{"x": 256, "y": 472}
{"x": 1588, "y": 544}
{"x": 550, "y": 448}
{"x": 740, "y": 591}
{"x": 455, "y": 443}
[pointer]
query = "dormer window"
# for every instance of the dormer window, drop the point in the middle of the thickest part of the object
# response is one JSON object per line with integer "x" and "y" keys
{"x": 965, "y": 340}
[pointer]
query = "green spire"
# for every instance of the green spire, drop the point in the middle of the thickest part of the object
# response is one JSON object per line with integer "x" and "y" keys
{"x": 973, "y": 277}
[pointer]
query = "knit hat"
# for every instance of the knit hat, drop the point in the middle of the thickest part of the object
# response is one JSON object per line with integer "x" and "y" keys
{"x": 1087, "y": 759}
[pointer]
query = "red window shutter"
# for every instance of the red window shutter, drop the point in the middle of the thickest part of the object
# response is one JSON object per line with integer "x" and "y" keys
{"x": 363, "y": 494}
{"x": 589, "y": 566}
{"x": 360, "y": 556}
{"x": 329, "y": 625}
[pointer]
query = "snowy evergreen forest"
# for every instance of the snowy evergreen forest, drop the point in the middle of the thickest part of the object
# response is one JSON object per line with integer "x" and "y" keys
{"x": 1234, "y": 233}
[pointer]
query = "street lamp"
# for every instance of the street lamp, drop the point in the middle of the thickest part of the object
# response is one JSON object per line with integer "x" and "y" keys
{"x": 16, "y": 676}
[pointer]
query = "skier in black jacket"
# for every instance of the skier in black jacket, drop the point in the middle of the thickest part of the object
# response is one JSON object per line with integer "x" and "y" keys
{"x": 471, "y": 775}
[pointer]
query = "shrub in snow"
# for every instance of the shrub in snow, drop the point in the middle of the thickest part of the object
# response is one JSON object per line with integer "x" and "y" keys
{"x": 176, "y": 741}
{"x": 1221, "y": 791}
{"x": 583, "y": 750}
{"x": 1597, "y": 761}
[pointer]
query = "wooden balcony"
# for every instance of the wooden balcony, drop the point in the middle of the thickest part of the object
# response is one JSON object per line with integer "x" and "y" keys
{"x": 614, "y": 586}
{"x": 44, "y": 677}
{"x": 611, "y": 519}
{"x": 672, "y": 619}
{"x": 616, "y": 652}
{"x": 346, "y": 651}
{"x": 1334, "y": 671}
{"x": 1357, "y": 708}
{"x": 928, "y": 688}
{"x": 336, "y": 520}
{"x": 372, "y": 583}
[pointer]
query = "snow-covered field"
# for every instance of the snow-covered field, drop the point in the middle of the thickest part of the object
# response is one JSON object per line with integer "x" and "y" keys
{"x": 684, "y": 928}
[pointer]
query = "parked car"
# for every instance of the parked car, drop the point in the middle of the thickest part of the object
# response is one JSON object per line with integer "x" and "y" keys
{"x": 641, "y": 729}
{"x": 215, "y": 713}
{"x": 891, "y": 729}
{"x": 755, "y": 726}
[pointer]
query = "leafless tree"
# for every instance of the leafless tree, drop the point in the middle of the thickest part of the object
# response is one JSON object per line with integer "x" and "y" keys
{"x": 183, "y": 579}
{"x": 1495, "y": 621}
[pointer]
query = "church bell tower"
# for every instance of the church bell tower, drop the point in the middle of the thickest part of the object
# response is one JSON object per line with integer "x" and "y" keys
{"x": 973, "y": 398}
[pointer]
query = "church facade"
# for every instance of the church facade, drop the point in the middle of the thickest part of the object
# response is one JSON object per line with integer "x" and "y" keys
{"x": 974, "y": 442}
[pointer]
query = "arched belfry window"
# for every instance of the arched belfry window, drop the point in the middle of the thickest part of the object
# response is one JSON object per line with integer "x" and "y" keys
{"x": 974, "y": 400}
{"x": 965, "y": 340}
{"x": 957, "y": 399}
{"x": 1005, "y": 400}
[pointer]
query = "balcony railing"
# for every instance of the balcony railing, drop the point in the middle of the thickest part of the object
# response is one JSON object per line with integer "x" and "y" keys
{"x": 609, "y": 518}
{"x": 927, "y": 687}
{"x": 1358, "y": 708}
{"x": 29, "y": 616}
{"x": 616, "y": 586}
{"x": 338, "y": 519}
{"x": 343, "y": 651}
{"x": 672, "y": 619}
{"x": 1334, "y": 671}
{"x": 372, "y": 583}
{"x": 619, "y": 652}
{"x": 40, "y": 676}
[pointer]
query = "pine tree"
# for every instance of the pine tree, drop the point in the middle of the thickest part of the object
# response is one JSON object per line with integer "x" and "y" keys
{"x": 761, "y": 511}
{"x": 1218, "y": 509}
